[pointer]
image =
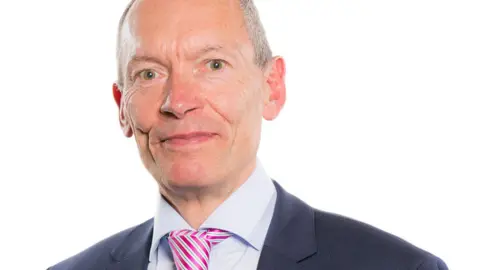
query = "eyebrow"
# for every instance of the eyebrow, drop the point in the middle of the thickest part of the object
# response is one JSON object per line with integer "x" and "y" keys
{"x": 197, "y": 51}
{"x": 208, "y": 48}
{"x": 145, "y": 58}
{"x": 201, "y": 51}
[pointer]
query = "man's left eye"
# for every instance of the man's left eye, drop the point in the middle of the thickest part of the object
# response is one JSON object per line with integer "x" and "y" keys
{"x": 216, "y": 64}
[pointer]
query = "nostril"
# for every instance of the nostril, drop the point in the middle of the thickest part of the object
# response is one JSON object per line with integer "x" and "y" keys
{"x": 170, "y": 114}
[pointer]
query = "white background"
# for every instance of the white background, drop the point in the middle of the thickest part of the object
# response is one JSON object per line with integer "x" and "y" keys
{"x": 382, "y": 123}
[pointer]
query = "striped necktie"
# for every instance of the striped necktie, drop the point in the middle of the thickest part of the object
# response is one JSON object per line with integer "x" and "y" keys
{"x": 191, "y": 249}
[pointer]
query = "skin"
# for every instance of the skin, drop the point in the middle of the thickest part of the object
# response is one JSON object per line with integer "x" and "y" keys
{"x": 189, "y": 67}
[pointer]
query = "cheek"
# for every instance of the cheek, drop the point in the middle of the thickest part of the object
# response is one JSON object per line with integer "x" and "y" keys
{"x": 240, "y": 105}
{"x": 233, "y": 101}
{"x": 139, "y": 110}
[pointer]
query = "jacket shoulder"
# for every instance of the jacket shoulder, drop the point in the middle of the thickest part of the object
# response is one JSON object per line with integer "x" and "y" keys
{"x": 99, "y": 253}
{"x": 352, "y": 242}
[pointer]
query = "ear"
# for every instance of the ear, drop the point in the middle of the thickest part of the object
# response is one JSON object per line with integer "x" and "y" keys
{"x": 117, "y": 95}
{"x": 275, "y": 99}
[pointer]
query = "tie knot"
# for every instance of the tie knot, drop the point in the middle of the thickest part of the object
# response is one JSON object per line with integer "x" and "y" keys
{"x": 210, "y": 235}
{"x": 191, "y": 249}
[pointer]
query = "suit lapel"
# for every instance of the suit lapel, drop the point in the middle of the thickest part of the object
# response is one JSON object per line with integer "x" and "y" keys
{"x": 291, "y": 236}
{"x": 290, "y": 239}
{"x": 133, "y": 252}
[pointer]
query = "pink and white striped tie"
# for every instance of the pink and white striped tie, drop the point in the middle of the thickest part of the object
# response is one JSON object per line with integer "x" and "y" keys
{"x": 191, "y": 249}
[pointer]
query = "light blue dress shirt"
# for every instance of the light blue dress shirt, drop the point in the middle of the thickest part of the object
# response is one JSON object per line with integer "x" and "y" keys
{"x": 247, "y": 214}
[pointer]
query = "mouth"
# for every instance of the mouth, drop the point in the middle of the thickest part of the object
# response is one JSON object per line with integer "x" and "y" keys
{"x": 187, "y": 139}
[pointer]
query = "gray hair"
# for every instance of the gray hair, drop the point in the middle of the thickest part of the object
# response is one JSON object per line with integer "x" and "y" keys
{"x": 253, "y": 24}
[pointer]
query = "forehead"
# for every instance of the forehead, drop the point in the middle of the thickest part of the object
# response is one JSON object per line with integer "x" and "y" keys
{"x": 182, "y": 24}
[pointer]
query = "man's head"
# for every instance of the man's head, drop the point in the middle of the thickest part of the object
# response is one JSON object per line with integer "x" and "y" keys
{"x": 195, "y": 80}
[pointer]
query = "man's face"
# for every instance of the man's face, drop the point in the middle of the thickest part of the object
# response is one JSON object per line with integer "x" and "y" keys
{"x": 193, "y": 96}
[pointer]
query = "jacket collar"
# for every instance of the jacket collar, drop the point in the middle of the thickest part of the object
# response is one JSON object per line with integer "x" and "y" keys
{"x": 132, "y": 252}
{"x": 290, "y": 238}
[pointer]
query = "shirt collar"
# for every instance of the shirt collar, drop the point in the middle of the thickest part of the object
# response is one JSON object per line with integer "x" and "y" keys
{"x": 239, "y": 213}
{"x": 242, "y": 211}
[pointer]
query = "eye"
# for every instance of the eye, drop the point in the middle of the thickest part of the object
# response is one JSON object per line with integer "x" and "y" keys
{"x": 216, "y": 64}
{"x": 147, "y": 74}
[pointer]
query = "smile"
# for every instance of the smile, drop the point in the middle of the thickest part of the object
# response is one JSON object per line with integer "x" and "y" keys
{"x": 187, "y": 140}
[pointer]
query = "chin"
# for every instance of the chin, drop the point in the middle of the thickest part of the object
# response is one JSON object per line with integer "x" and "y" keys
{"x": 190, "y": 173}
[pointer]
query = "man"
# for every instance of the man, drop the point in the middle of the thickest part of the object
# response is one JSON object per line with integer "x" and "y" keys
{"x": 195, "y": 80}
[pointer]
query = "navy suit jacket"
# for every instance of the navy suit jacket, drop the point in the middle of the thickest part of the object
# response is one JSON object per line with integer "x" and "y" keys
{"x": 299, "y": 237}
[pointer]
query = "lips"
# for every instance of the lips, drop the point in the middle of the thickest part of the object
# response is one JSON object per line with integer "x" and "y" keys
{"x": 187, "y": 138}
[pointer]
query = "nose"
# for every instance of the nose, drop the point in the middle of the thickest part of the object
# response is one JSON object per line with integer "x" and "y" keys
{"x": 182, "y": 97}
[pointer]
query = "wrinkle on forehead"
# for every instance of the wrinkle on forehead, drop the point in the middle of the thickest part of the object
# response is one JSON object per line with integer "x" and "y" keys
{"x": 147, "y": 18}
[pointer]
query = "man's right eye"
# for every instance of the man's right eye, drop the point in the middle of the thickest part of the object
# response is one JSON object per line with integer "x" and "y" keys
{"x": 147, "y": 74}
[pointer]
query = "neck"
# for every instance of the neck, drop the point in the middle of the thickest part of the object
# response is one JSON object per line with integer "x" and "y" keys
{"x": 196, "y": 204}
